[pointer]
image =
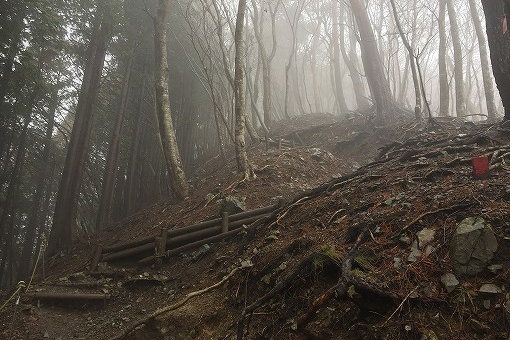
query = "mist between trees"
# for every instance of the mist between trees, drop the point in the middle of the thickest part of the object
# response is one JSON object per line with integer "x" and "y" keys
{"x": 108, "y": 106}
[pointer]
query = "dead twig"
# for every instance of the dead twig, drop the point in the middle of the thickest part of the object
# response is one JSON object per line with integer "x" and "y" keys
{"x": 400, "y": 306}
{"x": 433, "y": 212}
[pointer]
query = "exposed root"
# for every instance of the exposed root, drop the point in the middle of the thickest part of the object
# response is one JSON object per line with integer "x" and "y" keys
{"x": 307, "y": 261}
{"x": 176, "y": 305}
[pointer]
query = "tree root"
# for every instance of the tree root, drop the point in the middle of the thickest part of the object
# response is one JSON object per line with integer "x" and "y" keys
{"x": 176, "y": 305}
{"x": 339, "y": 290}
{"x": 417, "y": 219}
{"x": 307, "y": 261}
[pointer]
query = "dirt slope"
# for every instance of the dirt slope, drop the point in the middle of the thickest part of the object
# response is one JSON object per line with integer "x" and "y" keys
{"x": 338, "y": 260}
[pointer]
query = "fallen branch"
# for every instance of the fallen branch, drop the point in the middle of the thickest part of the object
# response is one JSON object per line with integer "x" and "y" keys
{"x": 176, "y": 305}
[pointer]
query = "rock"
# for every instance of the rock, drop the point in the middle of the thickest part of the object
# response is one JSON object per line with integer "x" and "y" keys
{"x": 449, "y": 281}
{"x": 233, "y": 205}
{"x": 506, "y": 307}
{"x": 425, "y": 236}
{"x": 429, "y": 334}
{"x": 271, "y": 237}
{"x": 320, "y": 155}
{"x": 415, "y": 252}
{"x": 196, "y": 255}
{"x": 495, "y": 268}
{"x": 473, "y": 246}
{"x": 506, "y": 193}
{"x": 405, "y": 240}
{"x": 490, "y": 288}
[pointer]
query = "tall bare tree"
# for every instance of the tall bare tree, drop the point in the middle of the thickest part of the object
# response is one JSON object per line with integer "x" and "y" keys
{"x": 64, "y": 217}
{"x": 460, "y": 97}
{"x": 484, "y": 60}
{"x": 243, "y": 166}
{"x": 374, "y": 69}
{"x": 178, "y": 182}
{"x": 417, "y": 89}
{"x": 444, "y": 92}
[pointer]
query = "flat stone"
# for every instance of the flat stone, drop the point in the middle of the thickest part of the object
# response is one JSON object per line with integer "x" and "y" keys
{"x": 473, "y": 246}
{"x": 449, "y": 281}
{"x": 490, "y": 288}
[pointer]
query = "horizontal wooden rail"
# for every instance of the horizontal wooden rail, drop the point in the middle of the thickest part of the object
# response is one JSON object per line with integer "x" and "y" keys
{"x": 189, "y": 229}
{"x": 67, "y": 296}
{"x": 180, "y": 240}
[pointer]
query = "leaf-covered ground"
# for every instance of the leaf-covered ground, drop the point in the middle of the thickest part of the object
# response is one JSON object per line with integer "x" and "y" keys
{"x": 338, "y": 260}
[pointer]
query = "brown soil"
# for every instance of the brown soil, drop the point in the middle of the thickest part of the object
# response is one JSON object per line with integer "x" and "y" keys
{"x": 350, "y": 190}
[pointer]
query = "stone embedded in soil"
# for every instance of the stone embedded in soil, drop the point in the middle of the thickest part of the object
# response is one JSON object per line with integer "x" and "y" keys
{"x": 415, "y": 253}
{"x": 473, "y": 246}
{"x": 490, "y": 288}
{"x": 425, "y": 236}
{"x": 234, "y": 205}
{"x": 429, "y": 334}
{"x": 449, "y": 281}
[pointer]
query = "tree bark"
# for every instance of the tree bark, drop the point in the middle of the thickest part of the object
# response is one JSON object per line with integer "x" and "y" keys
{"x": 374, "y": 69}
{"x": 351, "y": 61}
{"x": 499, "y": 46}
{"x": 460, "y": 97}
{"x": 417, "y": 93}
{"x": 484, "y": 60}
{"x": 243, "y": 166}
{"x": 178, "y": 182}
{"x": 444, "y": 91}
{"x": 66, "y": 205}
{"x": 335, "y": 41}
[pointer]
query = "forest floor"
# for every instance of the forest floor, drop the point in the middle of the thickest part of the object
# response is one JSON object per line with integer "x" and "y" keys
{"x": 361, "y": 249}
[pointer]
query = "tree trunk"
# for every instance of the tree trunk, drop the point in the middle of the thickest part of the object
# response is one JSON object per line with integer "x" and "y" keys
{"x": 335, "y": 42}
{"x": 417, "y": 94}
{"x": 42, "y": 182}
{"x": 351, "y": 61}
{"x": 64, "y": 217}
{"x": 444, "y": 91}
{"x": 104, "y": 214}
{"x": 243, "y": 166}
{"x": 484, "y": 60}
{"x": 460, "y": 97}
{"x": 499, "y": 46}
{"x": 131, "y": 176}
{"x": 373, "y": 65}
{"x": 166, "y": 129}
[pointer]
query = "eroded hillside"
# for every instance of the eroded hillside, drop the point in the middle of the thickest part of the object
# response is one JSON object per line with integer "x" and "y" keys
{"x": 380, "y": 233}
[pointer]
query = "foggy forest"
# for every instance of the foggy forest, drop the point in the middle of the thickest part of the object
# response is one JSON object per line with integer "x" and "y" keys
{"x": 109, "y": 106}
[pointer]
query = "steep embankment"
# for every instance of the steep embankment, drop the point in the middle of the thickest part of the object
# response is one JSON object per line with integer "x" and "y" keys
{"x": 368, "y": 254}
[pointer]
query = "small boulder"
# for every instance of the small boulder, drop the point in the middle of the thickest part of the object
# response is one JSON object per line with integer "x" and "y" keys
{"x": 425, "y": 236}
{"x": 449, "y": 281}
{"x": 233, "y": 205}
{"x": 473, "y": 246}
